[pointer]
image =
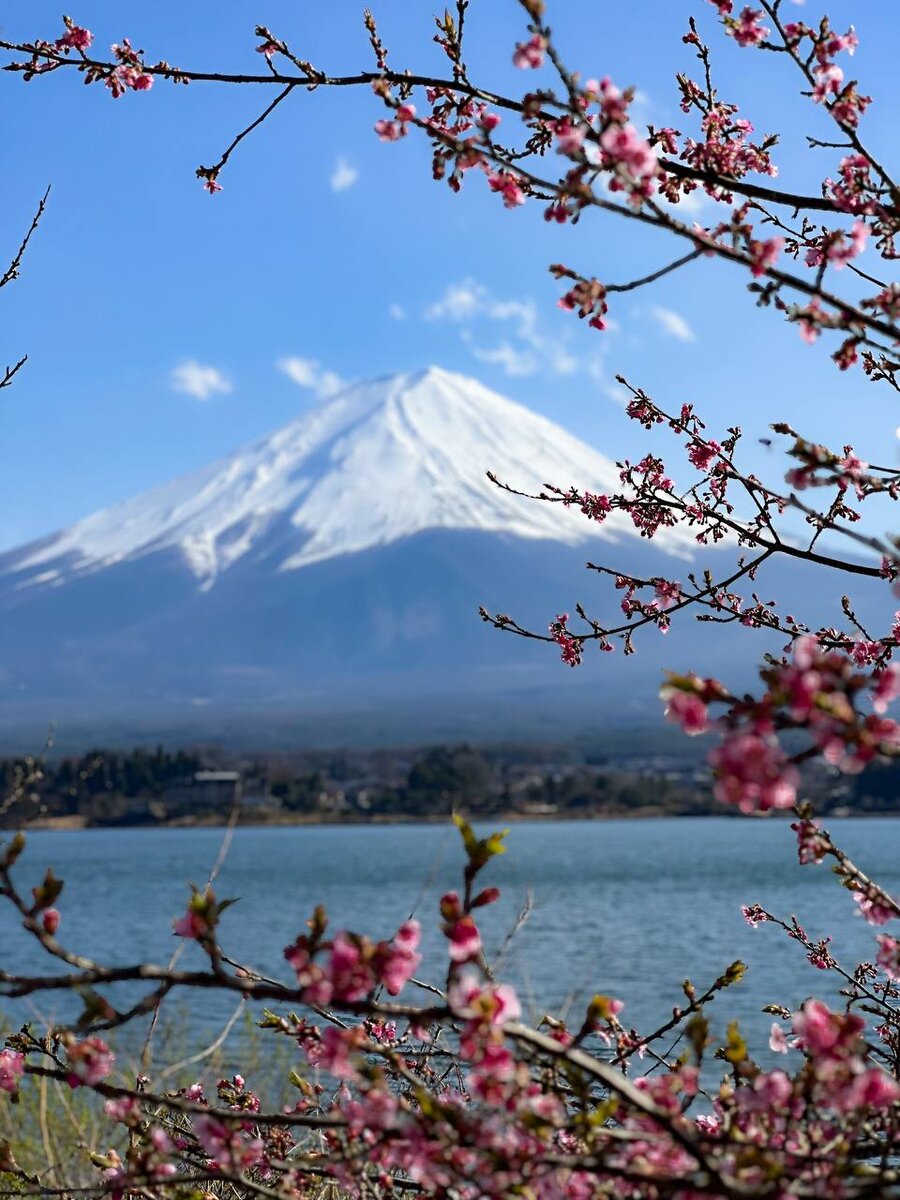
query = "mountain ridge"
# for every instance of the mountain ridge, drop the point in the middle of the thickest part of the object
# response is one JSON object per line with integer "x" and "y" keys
{"x": 379, "y": 461}
{"x": 337, "y": 566}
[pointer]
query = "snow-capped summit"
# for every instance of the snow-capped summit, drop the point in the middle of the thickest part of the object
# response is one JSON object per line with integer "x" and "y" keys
{"x": 380, "y": 461}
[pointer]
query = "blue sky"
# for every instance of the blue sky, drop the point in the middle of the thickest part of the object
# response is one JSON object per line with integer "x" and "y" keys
{"x": 327, "y": 247}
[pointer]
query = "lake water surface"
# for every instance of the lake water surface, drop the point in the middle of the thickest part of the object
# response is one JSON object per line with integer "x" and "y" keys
{"x": 629, "y": 908}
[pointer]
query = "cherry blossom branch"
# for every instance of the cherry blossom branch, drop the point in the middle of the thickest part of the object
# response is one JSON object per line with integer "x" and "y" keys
{"x": 129, "y": 69}
{"x": 318, "y": 79}
{"x": 12, "y": 271}
{"x": 655, "y": 275}
{"x": 210, "y": 173}
{"x": 847, "y": 127}
{"x": 695, "y": 1004}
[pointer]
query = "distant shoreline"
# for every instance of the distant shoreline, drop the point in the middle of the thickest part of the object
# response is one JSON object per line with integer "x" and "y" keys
{"x": 78, "y": 825}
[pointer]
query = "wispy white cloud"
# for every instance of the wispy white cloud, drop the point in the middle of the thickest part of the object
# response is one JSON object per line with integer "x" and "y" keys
{"x": 525, "y": 350}
{"x": 397, "y": 312}
{"x": 514, "y": 361}
{"x": 616, "y": 393}
{"x": 673, "y": 323}
{"x": 460, "y": 302}
{"x": 343, "y": 176}
{"x": 198, "y": 380}
{"x": 310, "y": 374}
{"x": 469, "y": 299}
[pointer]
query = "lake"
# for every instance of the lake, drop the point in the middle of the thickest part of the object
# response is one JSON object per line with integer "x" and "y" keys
{"x": 628, "y": 908}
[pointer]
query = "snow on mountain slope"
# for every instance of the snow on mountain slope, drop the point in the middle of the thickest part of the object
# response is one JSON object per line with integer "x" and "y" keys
{"x": 381, "y": 461}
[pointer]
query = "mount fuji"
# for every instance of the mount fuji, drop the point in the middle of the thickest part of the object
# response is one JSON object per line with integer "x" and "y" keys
{"x": 331, "y": 572}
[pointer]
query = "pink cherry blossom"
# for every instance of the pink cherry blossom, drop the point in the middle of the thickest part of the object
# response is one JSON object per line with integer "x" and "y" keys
{"x": 825, "y": 1034}
{"x": 12, "y": 1068}
{"x": 401, "y": 958}
{"x": 748, "y": 30}
{"x": 494, "y": 1004}
{"x": 122, "y": 1108}
{"x": 843, "y": 250}
{"x": 753, "y": 773}
{"x": 770, "y": 1090}
{"x": 75, "y": 38}
{"x": 192, "y": 925}
{"x": 829, "y": 78}
{"x": 667, "y": 592}
{"x": 382, "y": 1031}
{"x": 624, "y": 145}
{"x": 451, "y": 906}
{"x": 889, "y": 956}
{"x": 870, "y": 1089}
{"x": 778, "y": 1039}
{"x": 687, "y": 710}
{"x": 764, "y": 255}
{"x": 809, "y": 321}
{"x": 569, "y": 137}
{"x": 335, "y": 1051}
{"x": 389, "y": 131}
{"x": 812, "y": 845}
{"x": 226, "y": 1144}
{"x": 89, "y": 1061}
{"x": 597, "y": 507}
{"x": 874, "y": 905}
{"x": 754, "y": 915}
{"x": 702, "y": 454}
{"x": 849, "y": 106}
{"x": 509, "y": 186}
{"x": 351, "y": 977}
{"x": 887, "y": 687}
{"x": 570, "y": 647}
{"x": 465, "y": 941}
{"x": 530, "y": 55}
{"x": 819, "y": 956}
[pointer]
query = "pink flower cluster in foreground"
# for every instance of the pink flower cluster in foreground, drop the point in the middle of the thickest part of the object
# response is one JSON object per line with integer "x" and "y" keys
{"x": 350, "y": 967}
{"x": 12, "y": 1068}
{"x": 89, "y": 1061}
{"x": 817, "y": 691}
{"x": 492, "y": 1100}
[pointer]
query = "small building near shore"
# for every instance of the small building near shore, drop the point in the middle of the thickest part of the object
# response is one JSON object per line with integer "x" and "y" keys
{"x": 216, "y": 789}
{"x": 206, "y": 792}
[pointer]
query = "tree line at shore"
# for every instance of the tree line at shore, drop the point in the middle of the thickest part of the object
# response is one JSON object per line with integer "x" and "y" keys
{"x": 144, "y": 786}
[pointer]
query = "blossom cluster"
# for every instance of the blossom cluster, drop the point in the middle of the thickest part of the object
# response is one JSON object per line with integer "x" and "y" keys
{"x": 570, "y": 647}
{"x": 588, "y": 119}
{"x": 349, "y": 967}
{"x": 465, "y": 1091}
{"x": 816, "y": 690}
